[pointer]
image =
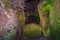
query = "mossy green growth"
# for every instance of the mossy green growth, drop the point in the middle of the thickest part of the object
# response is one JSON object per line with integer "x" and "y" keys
{"x": 32, "y": 31}
{"x": 21, "y": 16}
{"x": 47, "y": 33}
{"x": 7, "y": 3}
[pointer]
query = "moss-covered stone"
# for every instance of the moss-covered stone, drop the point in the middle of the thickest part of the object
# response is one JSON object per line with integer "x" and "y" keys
{"x": 21, "y": 16}
{"x": 33, "y": 31}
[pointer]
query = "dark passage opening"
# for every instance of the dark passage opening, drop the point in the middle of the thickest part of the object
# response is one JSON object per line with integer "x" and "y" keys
{"x": 31, "y": 11}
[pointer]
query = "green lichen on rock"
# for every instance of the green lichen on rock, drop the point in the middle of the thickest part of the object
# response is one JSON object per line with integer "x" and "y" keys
{"x": 46, "y": 9}
{"x": 10, "y": 34}
{"x": 32, "y": 31}
{"x": 7, "y": 3}
{"x": 21, "y": 16}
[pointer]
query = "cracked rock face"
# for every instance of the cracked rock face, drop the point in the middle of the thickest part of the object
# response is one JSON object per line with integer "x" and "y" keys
{"x": 8, "y": 20}
{"x": 18, "y": 3}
